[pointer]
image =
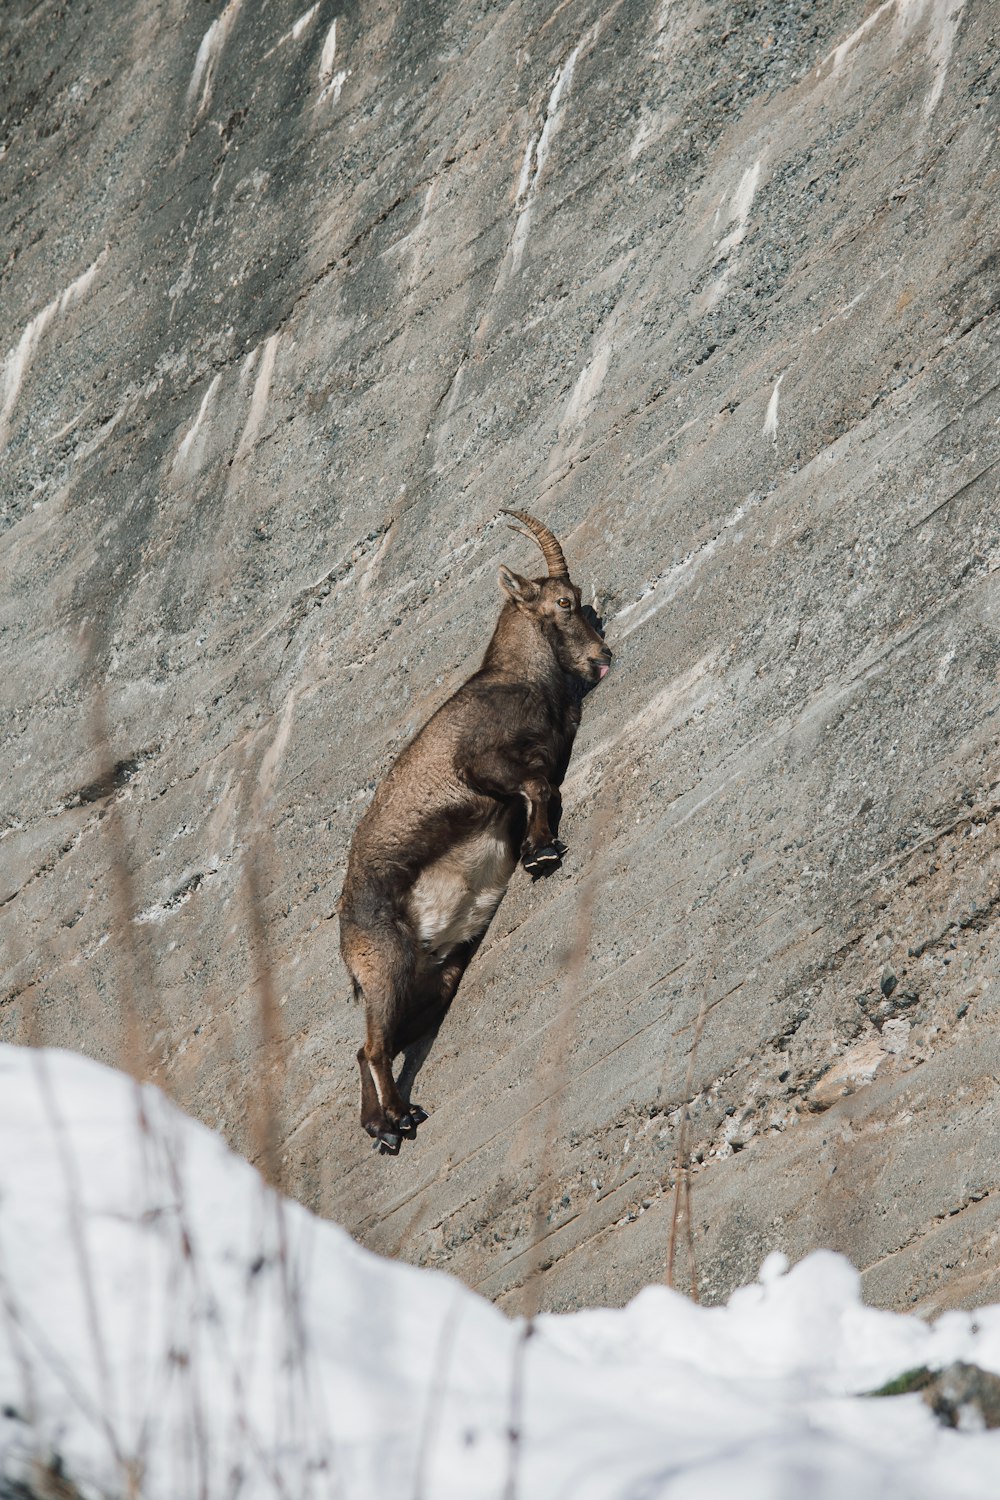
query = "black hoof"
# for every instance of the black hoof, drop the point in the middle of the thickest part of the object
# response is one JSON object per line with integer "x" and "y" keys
{"x": 385, "y": 1136}
{"x": 541, "y": 861}
{"x": 408, "y": 1123}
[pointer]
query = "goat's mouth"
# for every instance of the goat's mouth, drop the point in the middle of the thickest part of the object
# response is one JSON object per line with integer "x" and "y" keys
{"x": 600, "y": 666}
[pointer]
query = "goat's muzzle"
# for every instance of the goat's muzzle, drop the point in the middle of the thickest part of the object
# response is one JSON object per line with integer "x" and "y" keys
{"x": 601, "y": 663}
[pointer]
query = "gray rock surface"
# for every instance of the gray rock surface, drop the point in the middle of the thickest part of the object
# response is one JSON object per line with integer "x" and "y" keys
{"x": 293, "y": 300}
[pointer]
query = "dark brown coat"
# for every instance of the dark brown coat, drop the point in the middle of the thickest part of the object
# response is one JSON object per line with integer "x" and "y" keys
{"x": 475, "y": 791}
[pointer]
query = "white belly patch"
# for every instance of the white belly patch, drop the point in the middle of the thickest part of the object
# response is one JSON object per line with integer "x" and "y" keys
{"x": 454, "y": 898}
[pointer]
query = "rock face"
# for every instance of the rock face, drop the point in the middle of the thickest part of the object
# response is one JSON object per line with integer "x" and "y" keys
{"x": 293, "y": 302}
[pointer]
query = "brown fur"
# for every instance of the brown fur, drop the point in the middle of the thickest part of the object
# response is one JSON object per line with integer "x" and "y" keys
{"x": 476, "y": 790}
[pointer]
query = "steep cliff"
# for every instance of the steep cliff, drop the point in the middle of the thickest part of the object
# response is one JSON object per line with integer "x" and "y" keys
{"x": 293, "y": 301}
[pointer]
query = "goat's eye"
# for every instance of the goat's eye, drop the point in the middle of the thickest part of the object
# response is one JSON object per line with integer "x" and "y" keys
{"x": 565, "y": 603}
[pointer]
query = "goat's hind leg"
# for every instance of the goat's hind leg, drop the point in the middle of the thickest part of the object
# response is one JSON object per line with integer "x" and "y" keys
{"x": 373, "y": 1118}
{"x": 381, "y": 962}
{"x": 383, "y": 1114}
{"x": 418, "y": 1030}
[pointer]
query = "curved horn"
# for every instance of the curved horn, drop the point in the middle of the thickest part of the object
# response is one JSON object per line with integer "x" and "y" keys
{"x": 551, "y": 549}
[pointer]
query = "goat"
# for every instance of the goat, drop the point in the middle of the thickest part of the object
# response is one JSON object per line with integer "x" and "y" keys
{"x": 473, "y": 792}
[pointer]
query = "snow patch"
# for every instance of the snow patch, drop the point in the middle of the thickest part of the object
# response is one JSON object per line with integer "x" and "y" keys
{"x": 943, "y": 20}
{"x": 742, "y": 203}
{"x": 641, "y": 138}
{"x": 334, "y": 88}
{"x": 172, "y": 1327}
{"x": 328, "y": 54}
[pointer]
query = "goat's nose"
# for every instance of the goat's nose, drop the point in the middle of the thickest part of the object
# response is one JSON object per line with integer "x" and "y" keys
{"x": 607, "y": 653}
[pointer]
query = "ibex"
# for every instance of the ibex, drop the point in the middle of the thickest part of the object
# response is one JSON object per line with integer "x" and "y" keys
{"x": 473, "y": 792}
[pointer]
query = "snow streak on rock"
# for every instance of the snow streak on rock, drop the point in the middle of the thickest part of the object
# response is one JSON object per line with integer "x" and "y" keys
{"x": 333, "y": 82}
{"x": 261, "y": 392}
{"x": 303, "y": 22}
{"x": 295, "y": 32}
{"x": 841, "y": 51}
{"x": 589, "y": 382}
{"x": 191, "y": 450}
{"x": 207, "y": 61}
{"x": 536, "y": 154}
{"x": 20, "y": 357}
{"x": 770, "y": 428}
{"x": 940, "y": 20}
{"x": 654, "y": 122}
{"x": 727, "y": 249}
{"x": 661, "y": 590}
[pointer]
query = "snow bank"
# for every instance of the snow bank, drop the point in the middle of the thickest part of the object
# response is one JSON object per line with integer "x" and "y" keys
{"x": 170, "y": 1328}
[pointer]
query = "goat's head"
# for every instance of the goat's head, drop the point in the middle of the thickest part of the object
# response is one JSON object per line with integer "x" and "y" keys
{"x": 553, "y": 604}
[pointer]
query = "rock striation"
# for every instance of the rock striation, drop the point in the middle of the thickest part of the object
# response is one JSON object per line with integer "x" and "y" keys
{"x": 292, "y": 301}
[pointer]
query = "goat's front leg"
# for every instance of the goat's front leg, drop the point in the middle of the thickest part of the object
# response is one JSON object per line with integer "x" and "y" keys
{"x": 541, "y": 852}
{"x": 495, "y": 775}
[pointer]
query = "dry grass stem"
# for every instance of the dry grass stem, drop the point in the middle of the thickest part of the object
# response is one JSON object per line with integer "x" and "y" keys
{"x": 682, "y": 1164}
{"x": 436, "y": 1395}
{"x": 514, "y": 1434}
{"x": 78, "y": 1239}
{"x": 554, "y": 1060}
{"x": 551, "y": 1077}
{"x": 270, "y": 1081}
{"x": 135, "y": 975}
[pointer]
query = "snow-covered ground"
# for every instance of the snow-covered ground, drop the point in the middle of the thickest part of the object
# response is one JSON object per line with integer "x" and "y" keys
{"x": 170, "y": 1328}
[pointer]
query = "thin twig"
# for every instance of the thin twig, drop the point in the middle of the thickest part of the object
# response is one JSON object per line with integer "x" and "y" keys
{"x": 682, "y": 1162}
{"x": 552, "y": 1077}
{"x": 78, "y": 1239}
{"x": 436, "y": 1395}
{"x": 515, "y": 1435}
{"x": 553, "y": 1062}
{"x": 30, "y": 1029}
{"x": 134, "y": 967}
{"x": 270, "y": 1076}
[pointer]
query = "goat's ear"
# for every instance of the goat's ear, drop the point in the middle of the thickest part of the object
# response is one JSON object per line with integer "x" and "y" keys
{"x": 521, "y": 590}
